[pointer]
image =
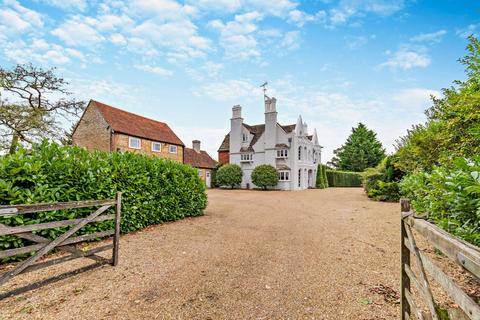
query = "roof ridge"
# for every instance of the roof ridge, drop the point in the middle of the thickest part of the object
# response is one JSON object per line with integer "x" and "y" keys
{"x": 124, "y": 111}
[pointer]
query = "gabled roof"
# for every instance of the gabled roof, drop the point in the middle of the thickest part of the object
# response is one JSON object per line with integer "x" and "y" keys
{"x": 129, "y": 123}
{"x": 257, "y": 131}
{"x": 198, "y": 159}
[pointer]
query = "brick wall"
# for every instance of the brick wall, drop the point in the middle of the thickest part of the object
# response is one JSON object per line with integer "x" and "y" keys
{"x": 120, "y": 142}
{"x": 92, "y": 132}
{"x": 223, "y": 157}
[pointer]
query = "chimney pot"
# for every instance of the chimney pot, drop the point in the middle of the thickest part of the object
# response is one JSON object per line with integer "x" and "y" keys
{"x": 236, "y": 112}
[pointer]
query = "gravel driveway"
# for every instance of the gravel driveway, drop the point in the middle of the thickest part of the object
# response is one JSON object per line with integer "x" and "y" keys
{"x": 314, "y": 254}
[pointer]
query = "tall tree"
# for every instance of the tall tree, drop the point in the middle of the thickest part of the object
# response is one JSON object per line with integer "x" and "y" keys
{"x": 453, "y": 126}
{"x": 33, "y": 104}
{"x": 361, "y": 150}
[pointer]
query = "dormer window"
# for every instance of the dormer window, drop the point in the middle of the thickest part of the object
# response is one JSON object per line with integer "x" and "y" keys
{"x": 282, "y": 153}
{"x": 246, "y": 157}
{"x": 244, "y": 137}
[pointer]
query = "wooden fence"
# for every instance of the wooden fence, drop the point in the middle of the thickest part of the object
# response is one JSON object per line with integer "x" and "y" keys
{"x": 462, "y": 253}
{"x": 64, "y": 241}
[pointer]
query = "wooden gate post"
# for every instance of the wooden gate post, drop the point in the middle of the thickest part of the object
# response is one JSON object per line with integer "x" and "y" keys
{"x": 404, "y": 260}
{"x": 116, "y": 236}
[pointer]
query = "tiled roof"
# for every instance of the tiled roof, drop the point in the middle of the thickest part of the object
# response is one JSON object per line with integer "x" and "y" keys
{"x": 198, "y": 159}
{"x": 257, "y": 131}
{"x": 135, "y": 125}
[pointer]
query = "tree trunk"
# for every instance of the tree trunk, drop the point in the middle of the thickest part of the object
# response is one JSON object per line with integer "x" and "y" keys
{"x": 14, "y": 143}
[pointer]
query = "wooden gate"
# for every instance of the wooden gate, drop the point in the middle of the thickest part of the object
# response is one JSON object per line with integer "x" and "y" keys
{"x": 63, "y": 242}
{"x": 462, "y": 253}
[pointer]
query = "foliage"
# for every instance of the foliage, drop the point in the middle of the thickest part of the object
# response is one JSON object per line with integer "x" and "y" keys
{"x": 264, "y": 176}
{"x": 40, "y": 104}
{"x": 450, "y": 196}
{"x": 213, "y": 176}
{"x": 324, "y": 174}
{"x": 229, "y": 175}
{"x": 154, "y": 190}
{"x": 381, "y": 183}
{"x": 344, "y": 178}
{"x": 361, "y": 150}
{"x": 453, "y": 126}
{"x": 320, "y": 183}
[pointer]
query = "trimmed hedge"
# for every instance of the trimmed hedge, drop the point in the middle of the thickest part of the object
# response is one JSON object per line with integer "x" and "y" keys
{"x": 343, "y": 178}
{"x": 321, "y": 182}
{"x": 154, "y": 190}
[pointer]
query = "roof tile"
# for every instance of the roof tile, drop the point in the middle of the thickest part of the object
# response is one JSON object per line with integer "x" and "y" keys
{"x": 135, "y": 125}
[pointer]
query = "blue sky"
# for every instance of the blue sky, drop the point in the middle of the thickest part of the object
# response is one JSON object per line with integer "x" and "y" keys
{"x": 188, "y": 62}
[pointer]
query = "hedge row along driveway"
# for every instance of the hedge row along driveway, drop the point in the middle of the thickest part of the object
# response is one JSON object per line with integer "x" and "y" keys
{"x": 154, "y": 190}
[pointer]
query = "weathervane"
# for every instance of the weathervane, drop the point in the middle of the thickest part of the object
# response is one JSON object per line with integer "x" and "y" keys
{"x": 264, "y": 86}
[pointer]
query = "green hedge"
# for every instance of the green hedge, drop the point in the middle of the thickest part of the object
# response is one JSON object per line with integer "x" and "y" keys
{"x": 321, "y": 183}
{"x": 450, "y": 196}
{"x": 154, "y": 190}
{"x": 344, "y": 178}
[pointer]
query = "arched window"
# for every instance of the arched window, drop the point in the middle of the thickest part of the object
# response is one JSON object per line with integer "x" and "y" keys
{"x": 305, "y": 153}
{"x": 299, "y": 153}
{"x": 300, "y": 175}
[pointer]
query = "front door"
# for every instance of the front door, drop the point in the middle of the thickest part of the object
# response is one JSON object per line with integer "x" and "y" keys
{"x": 207, "y": 178}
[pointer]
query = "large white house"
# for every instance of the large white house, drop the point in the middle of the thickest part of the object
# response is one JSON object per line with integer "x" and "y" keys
{"x": 290, "y": 149}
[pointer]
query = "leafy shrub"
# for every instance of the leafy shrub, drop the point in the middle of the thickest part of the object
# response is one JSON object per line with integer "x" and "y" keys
{"x": 213, "y": 176}
{"x": 264, "y": 176}
{"x": 343, "y": 178}
{"x": 450, "y": 196}
{"x": 320, "y": 183}
{"x": 381, "y": 183}
{"x": 154, "y": 190}
{"x": 385, "y": 191}
{"x": 229, "y": 175}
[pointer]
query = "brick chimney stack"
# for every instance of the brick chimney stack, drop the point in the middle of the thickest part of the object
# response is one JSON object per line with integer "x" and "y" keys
{"x": 196, "y": 145}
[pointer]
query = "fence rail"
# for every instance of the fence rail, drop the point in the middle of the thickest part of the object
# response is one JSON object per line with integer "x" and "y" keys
{"x": 462, "y": 253}
{"x": 43, "y": 245}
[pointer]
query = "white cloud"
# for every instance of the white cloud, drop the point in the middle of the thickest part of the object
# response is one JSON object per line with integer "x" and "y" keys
{"x": 154, "y": 69}
{"x": 230, "y": 90}
{"x": 118, "y": 39}
{"x": 236, "y": 36}
{"x": 407, "y": 59}
{"x": 75, "y": 32}
{"x": 346, "y": 9}
{"x": 278, "y": 8}
{"x": 469, "y": 30}
{"x": 299, "y": 18}
{"x": 80, "y": 5}
{"x": 14, "y": 18}
{"x": 433, "y": 37}
{"x": 291, "y": 40}
{"x": 217, "y": 5}
{"x": 38, "y": 50}
{"x": 179, "y": 36}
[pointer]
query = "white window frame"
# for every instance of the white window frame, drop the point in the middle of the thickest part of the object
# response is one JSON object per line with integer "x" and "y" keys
{"x": 200, "y": 173}
{"x": 131, "y": 146}
{"x": 154, "y": 143}
{"x": 284, "y": 175}
{"x": 282, "y": 153}
{"x": 246, "y": 157}
{"x": 170, "y": 149}
{"x": 244, "y": 137}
